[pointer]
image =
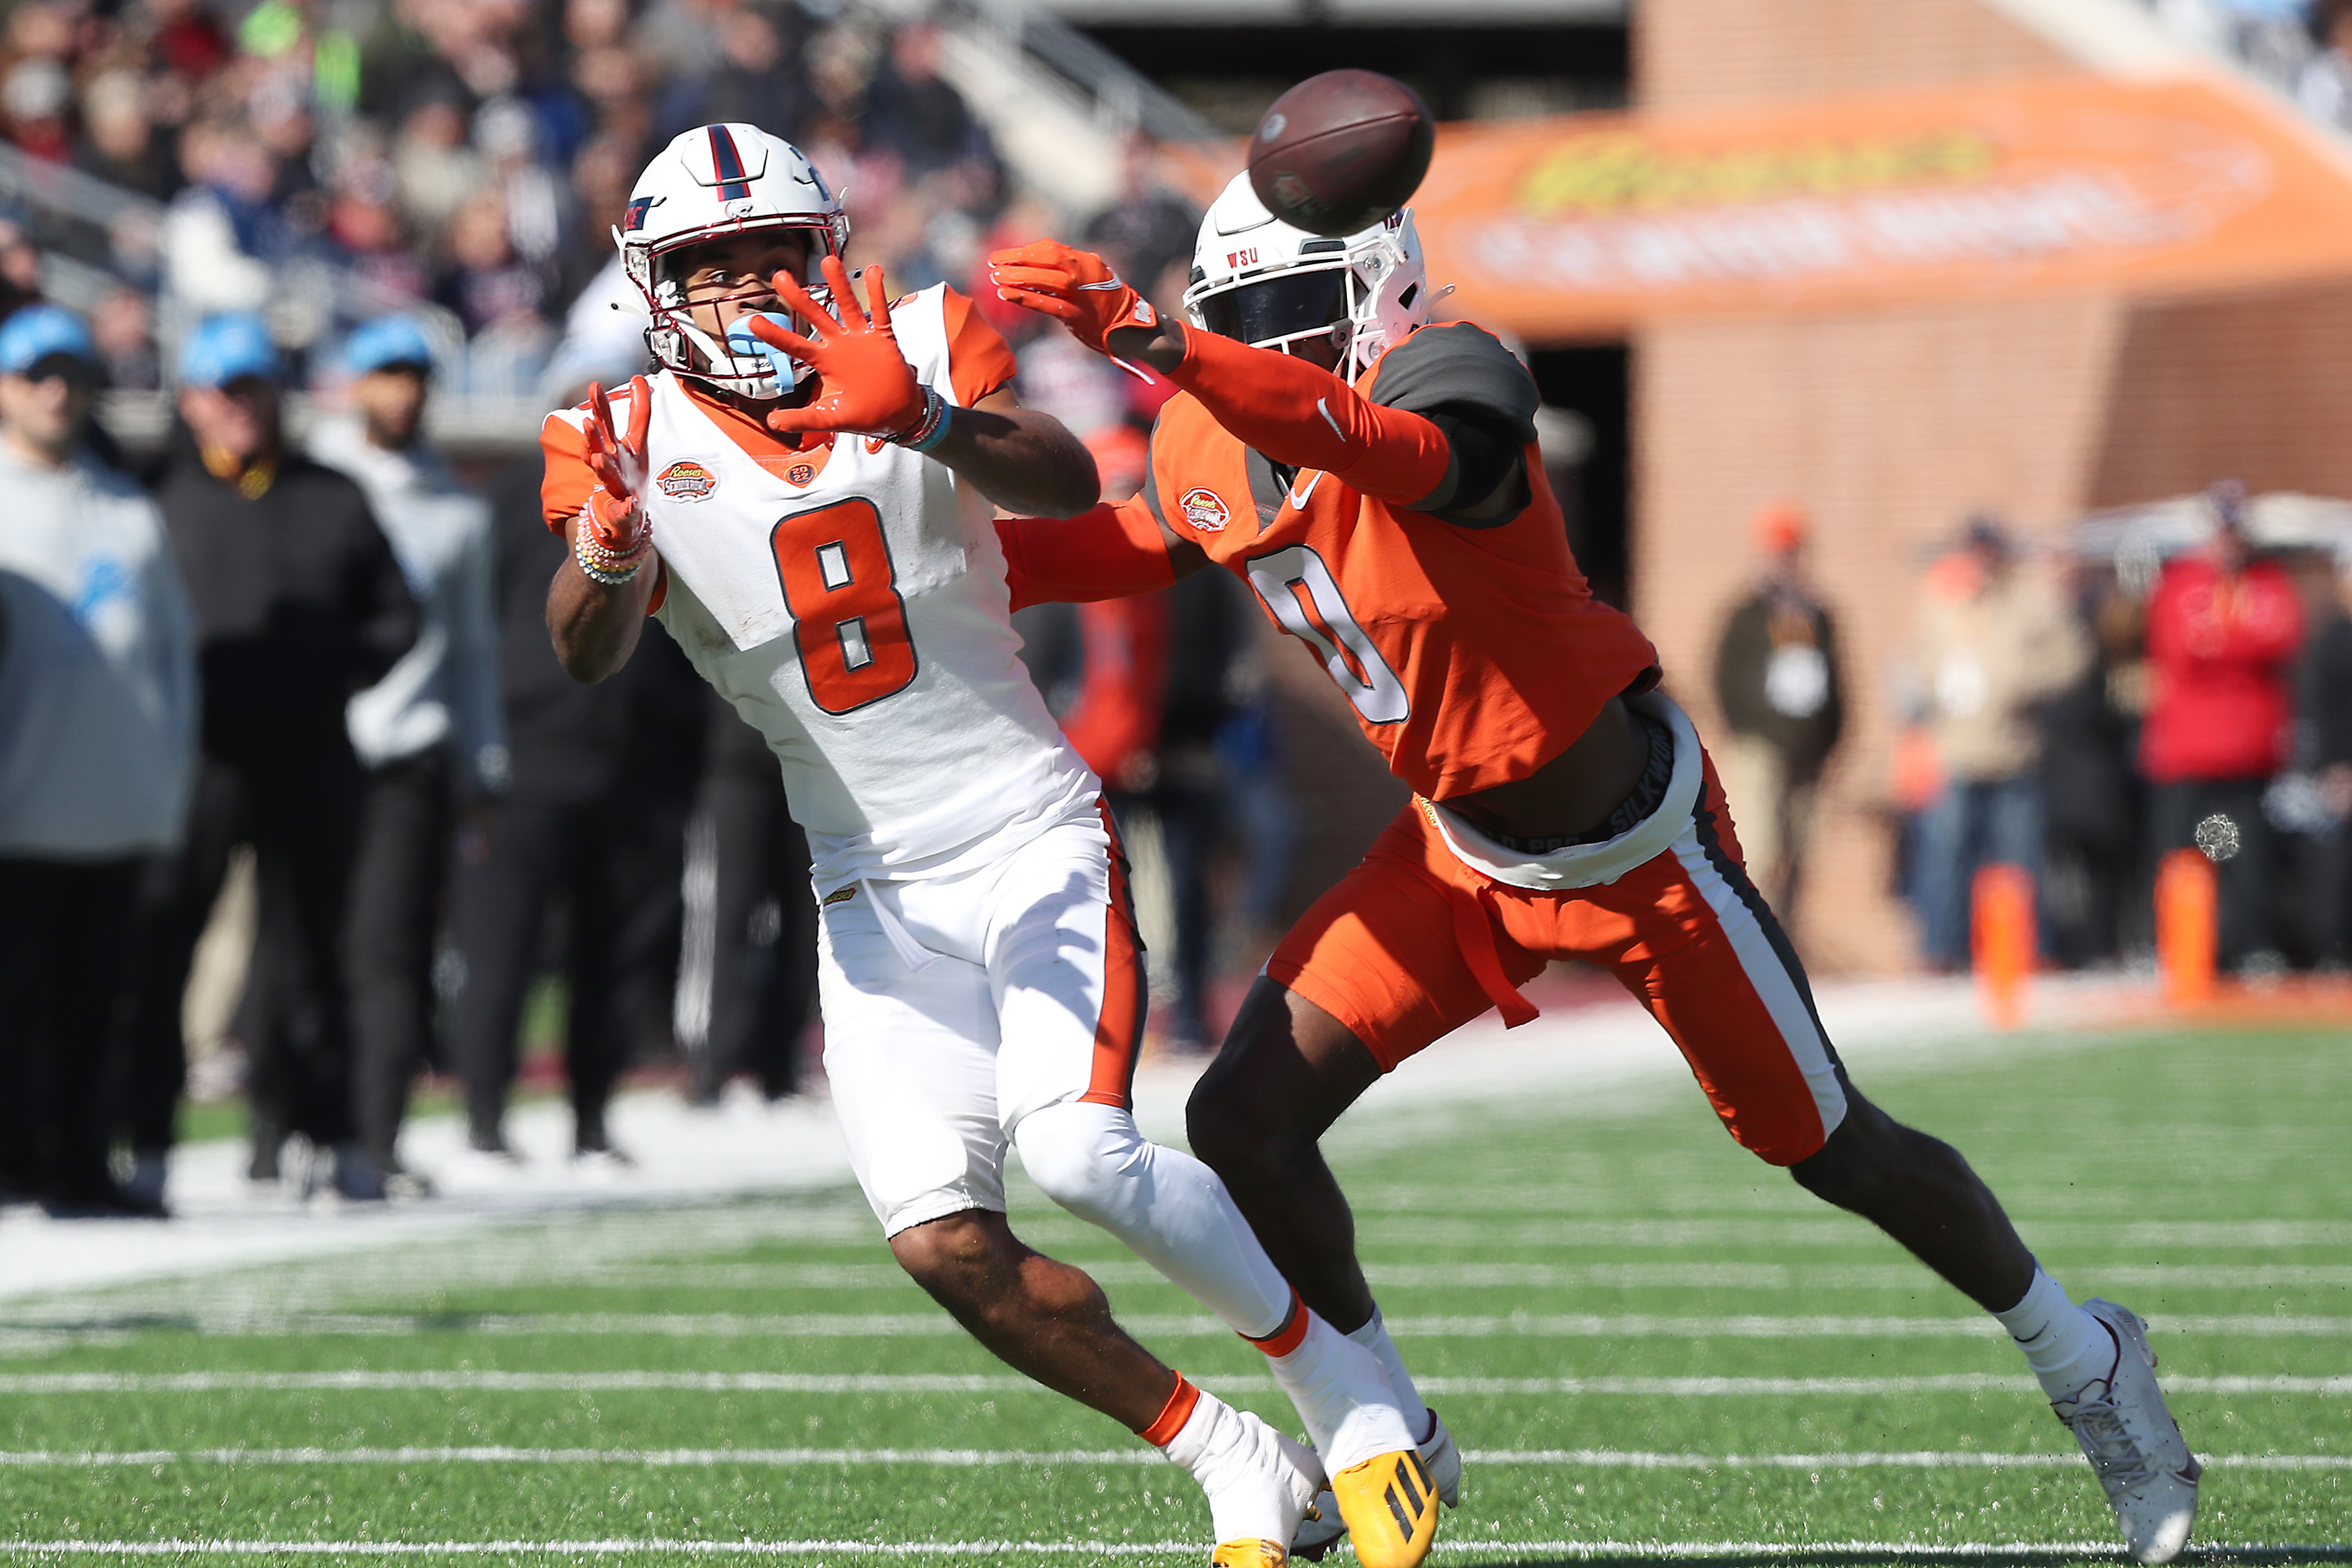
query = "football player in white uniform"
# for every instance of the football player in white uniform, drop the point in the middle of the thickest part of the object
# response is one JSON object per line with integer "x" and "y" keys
{"x": 804, "y": 498}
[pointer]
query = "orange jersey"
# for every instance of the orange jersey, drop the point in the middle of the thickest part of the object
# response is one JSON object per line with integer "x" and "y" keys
{"x": 1473, "y": 655}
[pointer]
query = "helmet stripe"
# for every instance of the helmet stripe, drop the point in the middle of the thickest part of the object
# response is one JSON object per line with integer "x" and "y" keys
{"x": 734, "y": 185}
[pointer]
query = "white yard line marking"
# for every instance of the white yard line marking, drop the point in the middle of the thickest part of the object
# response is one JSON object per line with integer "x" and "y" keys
{"x": 433, "y": 1380}
{"x": 1151, "y": 1325}
{"x": 784, "y": 1276}
{"x": 977, "y": 1458}
{"x": 1664, "y": 1549}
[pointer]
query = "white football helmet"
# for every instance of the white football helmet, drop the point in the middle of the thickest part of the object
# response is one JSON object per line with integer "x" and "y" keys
{"x": 1257, "y": 280}
{"x": 712, "y": 182}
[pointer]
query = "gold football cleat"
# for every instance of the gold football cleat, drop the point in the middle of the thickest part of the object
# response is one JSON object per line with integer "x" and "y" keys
{"x": 1248, "y": 1555}
{"x": 1390, "y": 1506}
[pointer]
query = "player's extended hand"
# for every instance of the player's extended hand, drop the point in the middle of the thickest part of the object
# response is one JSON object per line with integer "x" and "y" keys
{"x": 867, "y": 388}
{"x": 1077, "y": 287}
{"x": 615, "y": 516}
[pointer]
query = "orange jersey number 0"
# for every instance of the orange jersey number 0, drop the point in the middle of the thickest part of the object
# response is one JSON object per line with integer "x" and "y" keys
{"x": 848, "y": 621}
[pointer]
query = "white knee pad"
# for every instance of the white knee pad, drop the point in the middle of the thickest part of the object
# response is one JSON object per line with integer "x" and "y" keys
{"x": 1089, "y": 1159}
{"x": 1162, "y": 1202}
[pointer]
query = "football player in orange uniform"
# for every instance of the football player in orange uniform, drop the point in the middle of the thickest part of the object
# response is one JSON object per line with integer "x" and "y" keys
{"x": 1376, "y": 481}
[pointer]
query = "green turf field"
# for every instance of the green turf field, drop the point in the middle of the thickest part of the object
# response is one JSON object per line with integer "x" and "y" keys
{"x": 1652, "y": 1346}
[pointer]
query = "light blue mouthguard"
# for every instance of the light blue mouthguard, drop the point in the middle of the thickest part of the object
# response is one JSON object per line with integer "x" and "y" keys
{"x": 743, "y": 345}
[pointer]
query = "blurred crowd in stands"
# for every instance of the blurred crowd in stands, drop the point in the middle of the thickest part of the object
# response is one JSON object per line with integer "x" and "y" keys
{"x": 2301, "y": 48}
{"x": 325, "y": 162}
{"x": 2081, "y": 715}
{"x": 277, "y": 707}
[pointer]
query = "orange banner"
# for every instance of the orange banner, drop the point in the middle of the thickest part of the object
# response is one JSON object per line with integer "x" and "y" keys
{"x": 1583, "y": 225}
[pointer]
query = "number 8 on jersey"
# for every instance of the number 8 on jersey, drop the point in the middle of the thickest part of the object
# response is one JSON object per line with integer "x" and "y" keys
{"x": 848, "y": 621}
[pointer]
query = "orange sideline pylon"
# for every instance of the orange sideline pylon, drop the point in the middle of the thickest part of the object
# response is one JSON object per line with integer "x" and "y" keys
{"x": 2186, "y": 926}
{"x": 2002, "y": 931}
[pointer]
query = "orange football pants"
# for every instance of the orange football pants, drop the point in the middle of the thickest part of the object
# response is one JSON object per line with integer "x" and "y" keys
{"x": 1412, "y": 943}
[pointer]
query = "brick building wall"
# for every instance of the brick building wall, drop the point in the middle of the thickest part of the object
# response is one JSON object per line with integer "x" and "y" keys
{"x": 1722, "y": 54}
{"x": 2252, "y": 387}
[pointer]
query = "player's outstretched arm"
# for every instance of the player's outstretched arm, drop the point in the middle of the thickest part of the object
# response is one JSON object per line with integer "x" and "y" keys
{"x": 595, "y": 626}
{"x": 1112, "y": 552}
{"x": 1021, "y": 458}
{"x": 1293, "y": 412}
{"x": 596, "y": 603}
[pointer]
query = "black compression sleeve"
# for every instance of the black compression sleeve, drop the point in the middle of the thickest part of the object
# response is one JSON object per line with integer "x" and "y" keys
{"x": 1485, "y": 483}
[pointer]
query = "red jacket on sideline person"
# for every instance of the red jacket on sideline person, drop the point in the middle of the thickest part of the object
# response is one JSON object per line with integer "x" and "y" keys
{"x": 2220, "y": 646}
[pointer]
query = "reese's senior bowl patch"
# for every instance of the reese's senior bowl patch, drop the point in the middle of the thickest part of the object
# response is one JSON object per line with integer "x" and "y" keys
{"x": 686, "y": 481}
{"x": 1205, "y": 511}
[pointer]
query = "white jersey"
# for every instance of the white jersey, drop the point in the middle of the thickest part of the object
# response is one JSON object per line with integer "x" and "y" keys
{"x": 859, "y": 619}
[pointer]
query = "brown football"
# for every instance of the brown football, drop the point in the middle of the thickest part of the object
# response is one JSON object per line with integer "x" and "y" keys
{"x": 1341, "y": 151}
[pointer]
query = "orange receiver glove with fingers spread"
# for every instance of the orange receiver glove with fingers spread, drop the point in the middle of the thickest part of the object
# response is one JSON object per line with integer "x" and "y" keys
{"x": 616, "y": 521}
{"x": 1077, "y": 288}
{"x": 866, "y": 386}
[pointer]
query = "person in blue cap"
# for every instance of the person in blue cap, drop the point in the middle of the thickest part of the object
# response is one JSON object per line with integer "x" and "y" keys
{"x": 429, "y": 733}
{"x": 98, "y": 709}
{"x": 299, "y": 603}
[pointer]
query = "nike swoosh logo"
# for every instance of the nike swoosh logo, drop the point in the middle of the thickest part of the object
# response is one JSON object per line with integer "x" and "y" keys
{"x": 1298, "y": 498}
{"x": 1104, "y": 287}
{"x": 1324, "y": 409}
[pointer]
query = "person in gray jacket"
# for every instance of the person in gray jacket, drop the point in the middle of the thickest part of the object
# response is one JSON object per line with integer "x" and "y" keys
{"x": 98, "y": 717}
{"x": 429, "y": 733}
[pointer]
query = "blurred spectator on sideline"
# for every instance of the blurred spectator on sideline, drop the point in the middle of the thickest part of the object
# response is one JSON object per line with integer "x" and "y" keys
{"x": 752, "y": 76}
{"x": 429, "y": 733}
{"x": 20, "y": 268}
{"x": 37, "y": 96}
{"x": 124, "y": 329}
{"x": 2323, "y": 90}
{"x": 1997, "y": 641}
{"x": 2324, "y": 710}
{"x": 913, "y": 112}
{"x": 763, "y": 917}
{"x": 299, "y": 604}
{"x": 98, "y": 717}
{"x": 2222, "y": 632}
{"x": 119, "y": 144}
{"x": 593, "y": 823}
{"x": 437, "y": 168}
{"x": 221, "y": 237}
{"x": 1153, "y": 702}
{"x": 1782, "y": 694}
{"x": 2094, "y": 837}
{"x": 502, "y": 299}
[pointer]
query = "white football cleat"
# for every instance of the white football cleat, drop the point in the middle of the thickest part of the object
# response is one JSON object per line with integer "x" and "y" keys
{"x": 2133, "y": 1444}
{"x": 1319, "y": 1534}
{"x": 1259, "y": 1491}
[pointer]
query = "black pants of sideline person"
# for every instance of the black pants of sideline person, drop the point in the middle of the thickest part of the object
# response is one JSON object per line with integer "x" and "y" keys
{"x": 2244, "y": 850}
{"x": 396, "y": 886}
{"x": 65, "y": 947}
{"x": 291, "y": 789}
{"x": 763, "y": 957}
{"x": 616, "y": 875}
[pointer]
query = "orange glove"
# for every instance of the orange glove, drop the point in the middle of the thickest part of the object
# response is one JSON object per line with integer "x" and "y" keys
{"x": 866, "y": 386}
{"x": 1075, "y": 286}
{"x": 617, "y": 523}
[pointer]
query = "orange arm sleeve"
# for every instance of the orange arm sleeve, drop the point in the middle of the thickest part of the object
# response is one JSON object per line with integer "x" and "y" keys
{"x": 1109, "y": 552}
{"x": 1309, "y": 418}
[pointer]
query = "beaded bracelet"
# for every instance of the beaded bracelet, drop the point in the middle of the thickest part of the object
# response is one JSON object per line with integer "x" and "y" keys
{"x": 601, "y": 565}
{"x": 932, "y": 427}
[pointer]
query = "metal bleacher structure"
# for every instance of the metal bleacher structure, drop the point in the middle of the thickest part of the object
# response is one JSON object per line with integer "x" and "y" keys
{"x": 1058, "y": 105}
